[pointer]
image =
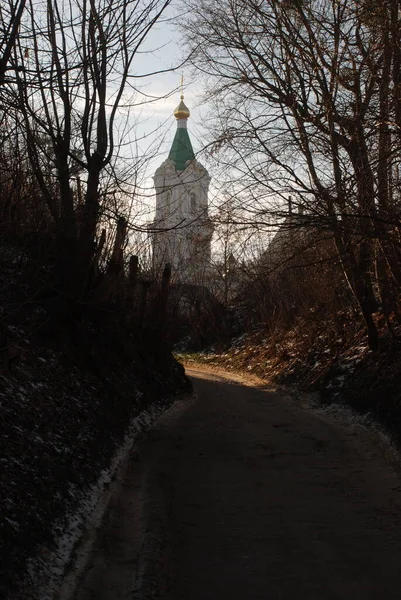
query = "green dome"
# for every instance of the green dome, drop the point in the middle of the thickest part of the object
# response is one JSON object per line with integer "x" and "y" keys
{"x": 181, "y": 150}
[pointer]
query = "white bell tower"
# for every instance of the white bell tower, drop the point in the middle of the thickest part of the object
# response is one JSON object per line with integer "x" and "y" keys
{"x": 182, "y": 230}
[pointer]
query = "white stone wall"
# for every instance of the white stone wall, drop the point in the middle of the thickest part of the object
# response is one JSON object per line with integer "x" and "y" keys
{"x": 185, "y": 231}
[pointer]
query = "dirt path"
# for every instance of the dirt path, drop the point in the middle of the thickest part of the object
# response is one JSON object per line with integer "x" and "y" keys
{"x": 241, "y": 494}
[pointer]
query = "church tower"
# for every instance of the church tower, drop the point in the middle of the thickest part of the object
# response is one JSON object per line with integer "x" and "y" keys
{"x": 182, "y": 230}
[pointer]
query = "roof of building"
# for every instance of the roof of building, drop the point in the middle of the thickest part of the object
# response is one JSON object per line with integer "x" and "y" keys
{"x": 181, "y": 150}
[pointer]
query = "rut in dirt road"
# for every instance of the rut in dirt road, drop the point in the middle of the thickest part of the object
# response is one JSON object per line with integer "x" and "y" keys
{"x": 262, "y": 500}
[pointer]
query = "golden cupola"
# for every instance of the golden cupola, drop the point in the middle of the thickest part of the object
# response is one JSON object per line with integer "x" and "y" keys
{"x": 182, "y": 111}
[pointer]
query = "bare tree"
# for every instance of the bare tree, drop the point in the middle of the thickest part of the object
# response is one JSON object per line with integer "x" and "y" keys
{"x": 10, "y": 19}
{"x": 74, "y": 66}
{"x": 305, "y": 103}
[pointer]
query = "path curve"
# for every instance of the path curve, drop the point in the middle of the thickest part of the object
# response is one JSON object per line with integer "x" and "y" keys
{"x": 240, "y": 493}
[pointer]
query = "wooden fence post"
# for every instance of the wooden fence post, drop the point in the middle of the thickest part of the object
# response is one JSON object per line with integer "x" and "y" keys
{"x": 133, "y": 270}
{"x": 166, "y": 279}
{"x": 145, "y": 288}
{"x": 161, "y": 305}
{"x": 131, "y": 287}
{"x": 111, "y": 287}
{"x": 116, "y": 263}
{"x": 98, "y": 252}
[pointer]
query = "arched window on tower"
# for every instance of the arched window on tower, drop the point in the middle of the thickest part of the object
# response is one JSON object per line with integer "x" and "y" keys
{"x": 192, "y": 202}
{"x": 167, "y": 202}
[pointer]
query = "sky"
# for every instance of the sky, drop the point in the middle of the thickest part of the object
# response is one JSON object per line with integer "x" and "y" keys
{"x": 156, "y": 124}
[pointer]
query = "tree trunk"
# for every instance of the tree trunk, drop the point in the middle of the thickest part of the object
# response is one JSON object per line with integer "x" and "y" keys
{"x": 361, "y": 291}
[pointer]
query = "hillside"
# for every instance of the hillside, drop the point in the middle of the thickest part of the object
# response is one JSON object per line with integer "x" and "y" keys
{"x": 69, "y": 391}
{"x": 312, "y": 357}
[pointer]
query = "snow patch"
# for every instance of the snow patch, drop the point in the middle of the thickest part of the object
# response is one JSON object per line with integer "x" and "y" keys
{"x": 46, "y": 571}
